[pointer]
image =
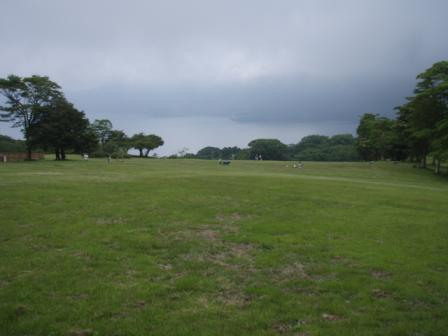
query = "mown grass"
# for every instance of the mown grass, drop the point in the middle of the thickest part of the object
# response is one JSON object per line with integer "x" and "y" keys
{"x": 185, "y": 247}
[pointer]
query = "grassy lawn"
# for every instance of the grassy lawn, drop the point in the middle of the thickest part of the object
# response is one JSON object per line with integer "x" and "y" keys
{"x": 189, "y": 247}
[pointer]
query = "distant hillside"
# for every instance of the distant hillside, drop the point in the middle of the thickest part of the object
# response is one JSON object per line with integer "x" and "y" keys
{"x": 8, "y": 144}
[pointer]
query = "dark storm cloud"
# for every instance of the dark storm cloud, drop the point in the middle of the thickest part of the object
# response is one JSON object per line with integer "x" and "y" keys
{"x": 272, "y": 100}
{"x": 251, "y": 62}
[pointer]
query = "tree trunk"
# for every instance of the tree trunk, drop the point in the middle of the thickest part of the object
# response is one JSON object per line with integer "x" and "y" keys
{"x": 437, "y": 166}
{"x": 141, "y": 152}
{"x": 62, "y": 154}
{"x": 423, "y": 161}
{"x": 28, "y": 144}
{"x": 146, "y": 153}
{"x": 56, "y": 152}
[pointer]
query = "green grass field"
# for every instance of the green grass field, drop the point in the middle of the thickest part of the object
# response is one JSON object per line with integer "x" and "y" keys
{"x": 189, "y": 247}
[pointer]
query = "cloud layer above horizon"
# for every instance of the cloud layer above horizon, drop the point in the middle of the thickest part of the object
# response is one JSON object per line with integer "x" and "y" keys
{"x": 258, "y": 66}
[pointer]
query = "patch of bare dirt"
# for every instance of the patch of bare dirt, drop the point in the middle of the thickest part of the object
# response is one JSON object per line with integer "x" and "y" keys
{"x": 82, "y": 255}
{"x": 294, "y": 270}
{"x": 283, "y": 328}
{"x": 231, "y": 251}
{"x": 379, "y": 274}
{"x": 234, "y": 217}
{"x": 166, "y": 267}
{"x": 80, "y": 332}
{"x": 110, "y": 221}
{"x": 234, "y": 299}
{"x": 379, "y": 293}
{"x": 208, "y": 234}
{"x": 287, "y": 328}
{"x": 331, "y": 317}
{"x": 140, "y": 304}
{"x": 203, "y": 301}
{"x": 289, "y": 272}
{"x": 220, "y": 218}
{"x": 79, "y": 296}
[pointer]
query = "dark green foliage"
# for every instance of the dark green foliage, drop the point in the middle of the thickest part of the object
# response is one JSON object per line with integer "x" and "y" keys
{"x": 230, "y": 153}
{"x": 342, "y": 139}
{"x": 117, "y": 144}
{"x": 226, "y": 153}
{"x": 10, "y": 145}
{"x": 424, "y": 118}
{"x": 311, "y": 148}
{"x": 376, "y": 136}
{"x": 25, "y": 99}
{"x": 145, "y": 143}
{"x": 62, "y": 127}
{"x": 103, "y": 129}
{"x": 209, "y": 153}
{"x": 313, "y": 141}
{"x": 421, "y": 126}
{"x": 269, "y": 149}
{"x": 339, "y": 147}
{"x": 243, "y": 154}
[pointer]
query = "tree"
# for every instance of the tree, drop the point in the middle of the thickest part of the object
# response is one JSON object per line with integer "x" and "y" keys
{"x": 117, "y": 144}
{"x": 310, "y": 148}
{"x": 342, "y": 139}
{"x": 139, "y": 142}
{"x": 146, "y": 143}
{"x": 8, "y": 144}
{"x": 209, "y": 153}
{"x": 375, "y": 135}
{"x": 424, "y": 117}
{"x": 61, "y": 127}
{"x": 103, "y": 130}
{"x": 269, "y": 149}
{"x": 25, "y": 99}
{"x": 313, "y": 141}
{"x": 230, "y": 153}
{"x": 340, "y": 147}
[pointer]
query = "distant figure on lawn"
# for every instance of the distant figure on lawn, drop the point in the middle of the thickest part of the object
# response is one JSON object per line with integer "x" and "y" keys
{"x": 85, "y": 157}
{"x": 224, "y": 162}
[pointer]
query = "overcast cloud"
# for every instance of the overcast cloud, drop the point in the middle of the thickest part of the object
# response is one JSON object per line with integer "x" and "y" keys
{"x": 204, "y": 72}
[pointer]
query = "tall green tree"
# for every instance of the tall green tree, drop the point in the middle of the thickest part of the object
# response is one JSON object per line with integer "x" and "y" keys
{"x": 209, "y": 153}
{"x": 139, "y": 142}
{"x": 25, "y": 99}
{"x": 103, "y": 129}
{"x": 118, "y": 143}
{"x": 228, "y": 153}
{"x": 423, "y": 118}
{"x": 62, "y": 127}
{"x": 146, "y": 143}
{"x": 269, "y": 149}
{"x": 375, "y": 137}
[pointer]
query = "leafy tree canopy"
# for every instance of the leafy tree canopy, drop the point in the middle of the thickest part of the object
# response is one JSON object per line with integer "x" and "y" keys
{"x": 269, "y": 149}
{"x": 25, "y": 99}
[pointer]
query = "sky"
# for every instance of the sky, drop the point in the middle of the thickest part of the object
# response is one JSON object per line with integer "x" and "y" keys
{"x": 221, "y": 73}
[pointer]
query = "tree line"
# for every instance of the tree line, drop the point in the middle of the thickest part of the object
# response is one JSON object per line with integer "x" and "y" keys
{"x": 340, "y": 147}
{"x": 418, "y": 132}
{"x": 420, "y": 129}
{"x": 49, "y": 121}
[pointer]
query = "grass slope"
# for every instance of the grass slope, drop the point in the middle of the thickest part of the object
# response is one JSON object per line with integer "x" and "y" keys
{"x": 180, "y": 247}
